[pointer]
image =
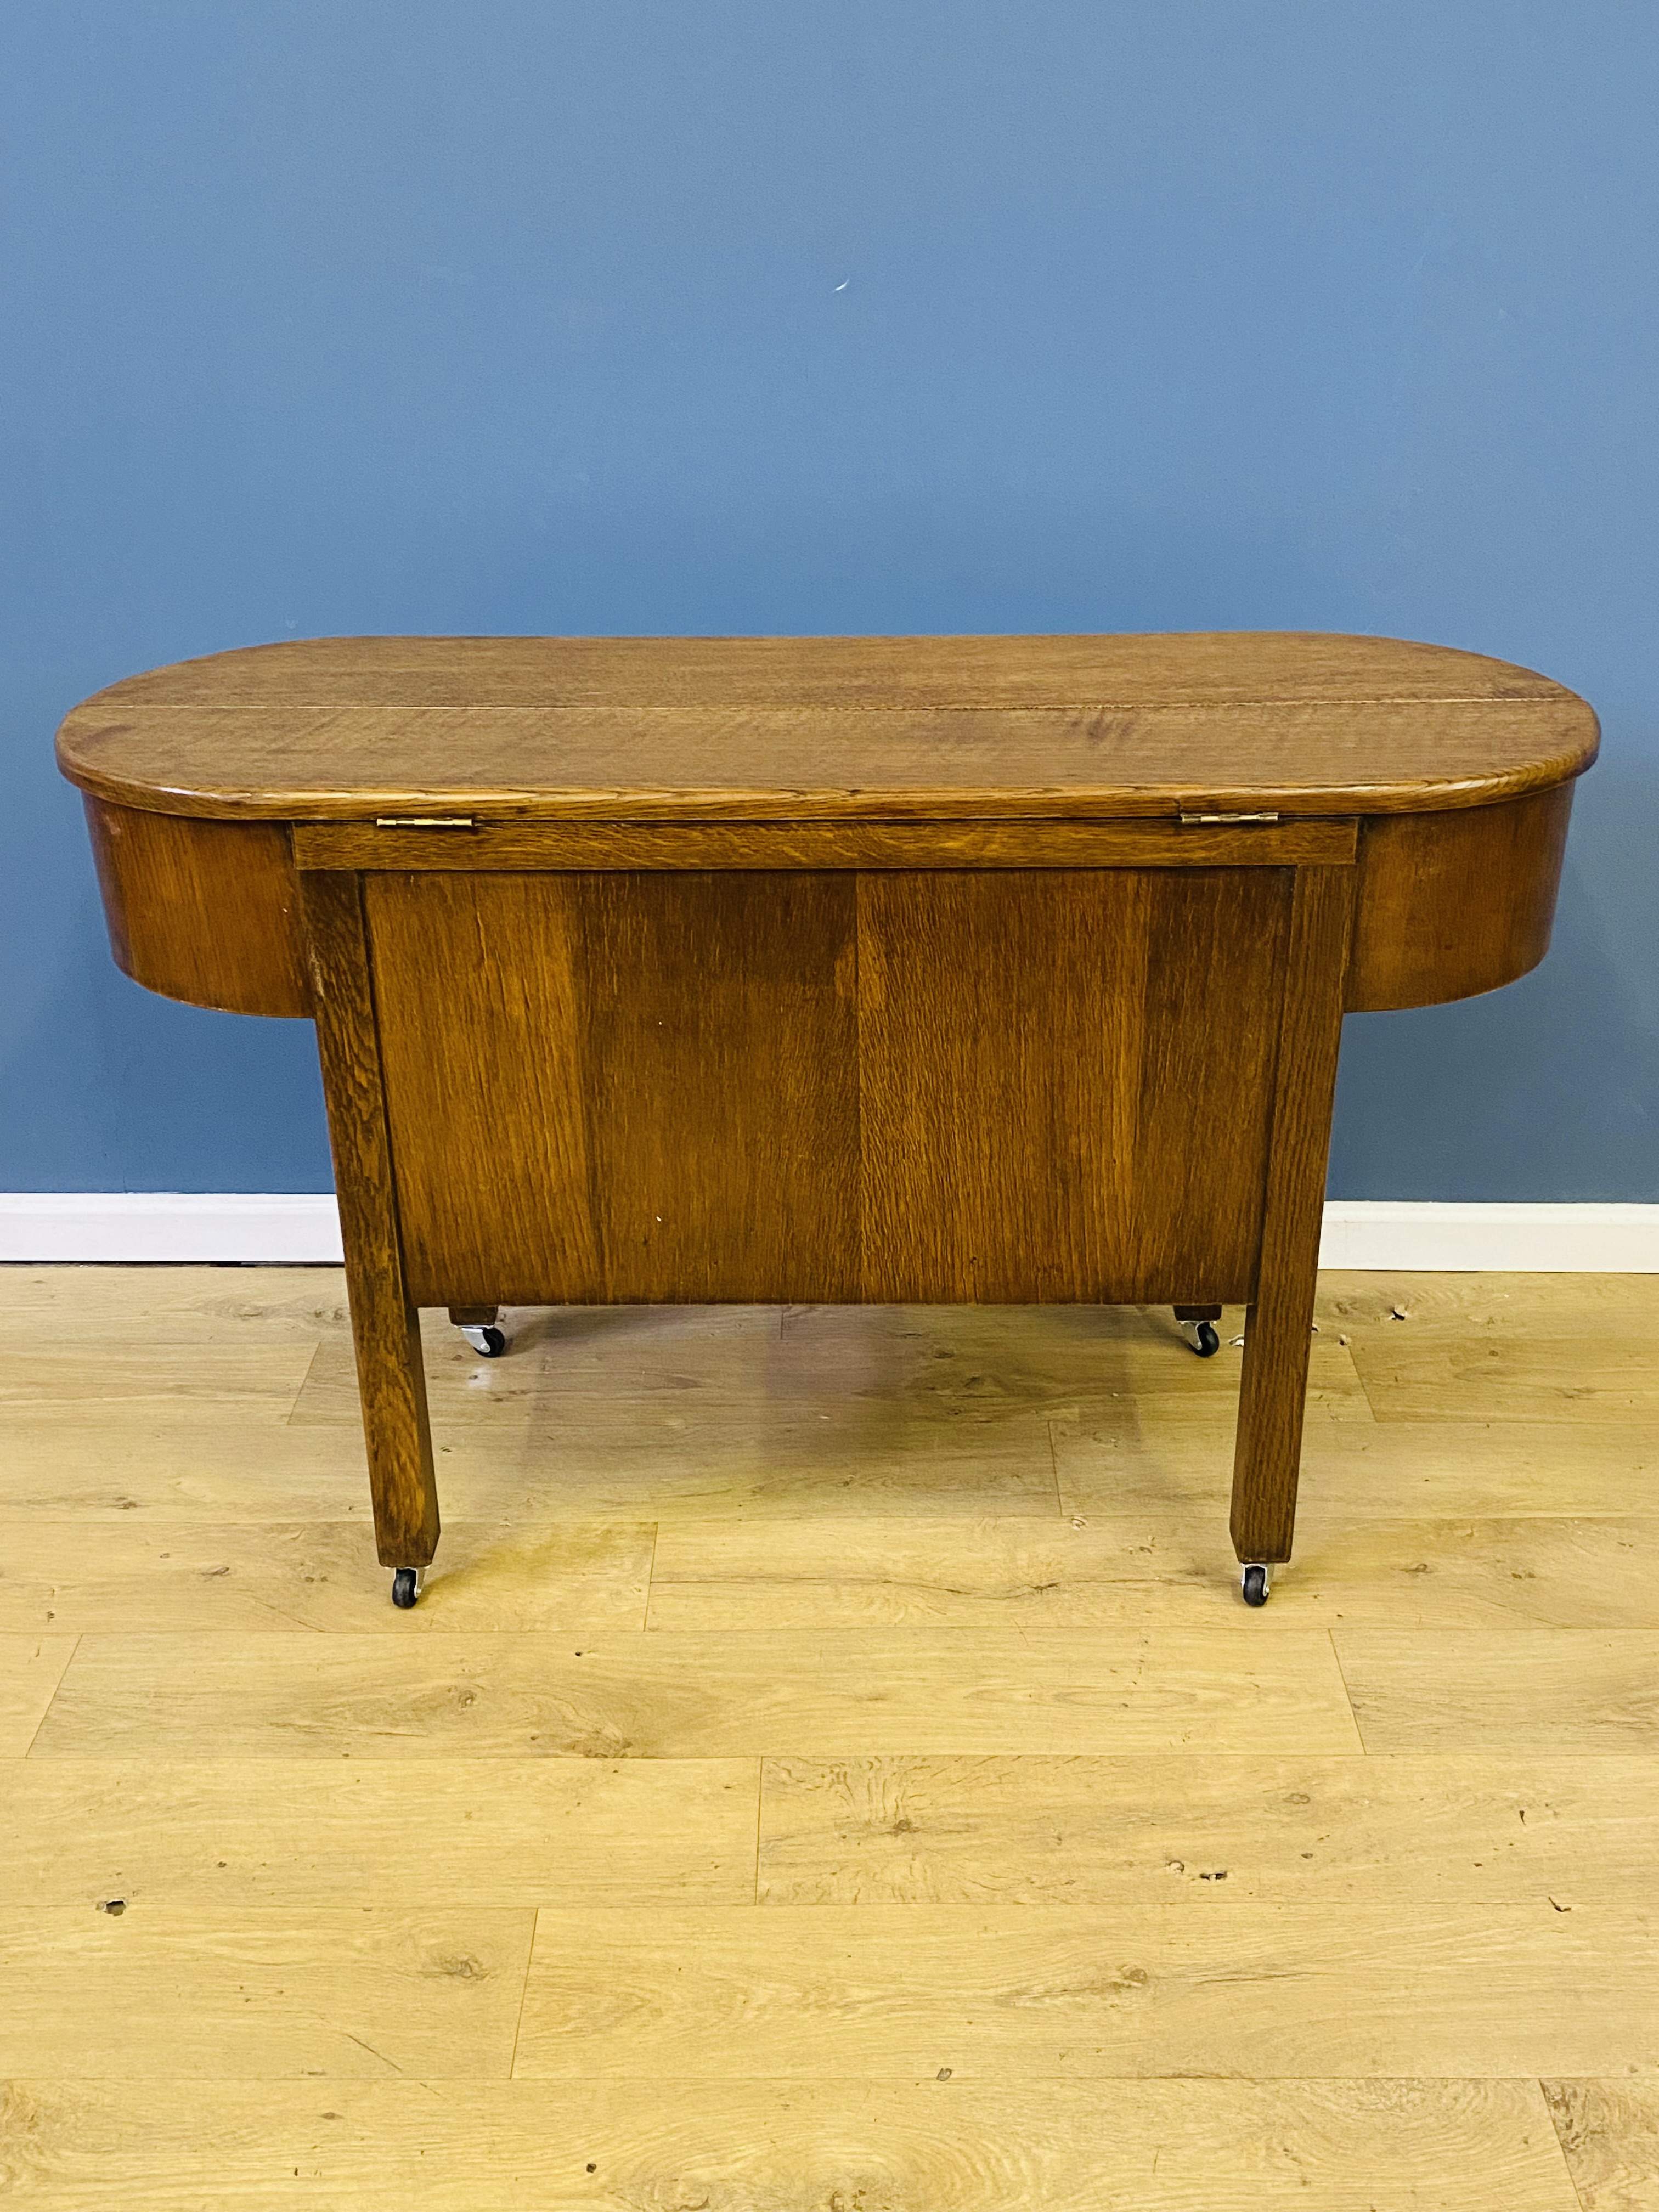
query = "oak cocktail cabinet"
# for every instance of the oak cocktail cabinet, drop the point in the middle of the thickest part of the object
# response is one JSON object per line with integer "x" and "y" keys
{"x": 985, "y": 969}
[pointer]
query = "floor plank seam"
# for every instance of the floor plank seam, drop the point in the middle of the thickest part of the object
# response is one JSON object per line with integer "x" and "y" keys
{"x": 47, "y": 1713}
{"x": 1560, "y": 2145}
{"x": 1353, "y": 1710}
{"x": 650, "y": 1576}
{"x": 524, "y": 1993}
{"x": 1054, "y": 1468}
{"x": 311, "y": 1363}
{"x": 760, "y": 1813}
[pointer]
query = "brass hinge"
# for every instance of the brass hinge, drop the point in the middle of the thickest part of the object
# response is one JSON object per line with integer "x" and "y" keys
{"x": 424, "y": 822}
{"x": 1226, "y": 817}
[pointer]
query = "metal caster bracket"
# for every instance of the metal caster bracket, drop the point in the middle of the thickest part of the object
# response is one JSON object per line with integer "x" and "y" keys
{"x": 1257, "y": 1581}
{"x": 1203, "y": 1336}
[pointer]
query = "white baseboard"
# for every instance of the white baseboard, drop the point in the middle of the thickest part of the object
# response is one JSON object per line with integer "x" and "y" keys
{"x": 1427, "y": 1236}
{"x": 274, "y": 1229}
{"x": 1401, "y": 1236}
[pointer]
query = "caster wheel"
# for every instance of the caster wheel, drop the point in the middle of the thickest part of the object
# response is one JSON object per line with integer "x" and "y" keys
{"x": 491, "y": 1342}
{"x": 405, "y": 1587}
{"x": 1256, "y": 1585}
{"x": 1203, "y": 1336}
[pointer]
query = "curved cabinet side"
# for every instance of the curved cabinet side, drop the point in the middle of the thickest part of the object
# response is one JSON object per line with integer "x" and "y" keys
{"x": 1451, "y": 904}
{"x": 203, "y": 911}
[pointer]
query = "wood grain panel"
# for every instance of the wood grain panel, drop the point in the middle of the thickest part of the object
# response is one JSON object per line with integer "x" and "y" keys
{"x": 1452, "y": 904}
{"x": 203, "y": 911}
{"x": 845, "y": 2145}
{"x": 749, "y": 764}
{"x": 651, "y": 1079}
{"x": 798, "y": 726}
{"x": 479, "y": 990}
{"x": 721, "y": 1015}
{"x": 481, "y": 845}
{"x": 1060, "y": 1098}
{"x": 238, "y": 1994}
{"x": 1228, "y": 667}
{"x": 1130, "y": 1832}
{"x": 999, "y": 1992}
{"x": 606, "y": 1695}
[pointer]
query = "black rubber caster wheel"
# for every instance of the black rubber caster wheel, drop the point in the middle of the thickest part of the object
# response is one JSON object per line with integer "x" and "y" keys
{"x": 405, "y": 1588}
{"x": 1256, "y": 1585}
{"x": 489, "y": 1342}
{"x": 1200, "y": 1336}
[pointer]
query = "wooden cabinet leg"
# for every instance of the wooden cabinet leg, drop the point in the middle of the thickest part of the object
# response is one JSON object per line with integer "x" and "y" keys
{"x": 475, "y": 1316}
{"x": 1273, "y": 1389}
{"x": 385, "y": 1325}
{"x": 1272, "y": 1396}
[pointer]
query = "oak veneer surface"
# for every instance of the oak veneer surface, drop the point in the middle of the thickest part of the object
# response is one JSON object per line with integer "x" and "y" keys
{"x": 825, "y": 1016}
{"x": 204, "y": 911}
{"x": 934, "y": 1087}
{"x": 803, "y": 727}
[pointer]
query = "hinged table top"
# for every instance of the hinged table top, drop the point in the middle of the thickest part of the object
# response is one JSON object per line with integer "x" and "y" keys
{"x": 817, "y": 728}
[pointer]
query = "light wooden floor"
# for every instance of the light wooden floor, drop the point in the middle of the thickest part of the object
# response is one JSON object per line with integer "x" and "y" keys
{"x": 830, "y": 1768}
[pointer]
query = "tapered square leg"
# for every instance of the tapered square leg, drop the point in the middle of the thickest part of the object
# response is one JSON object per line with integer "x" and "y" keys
{"x": 385, "y": 1326}
{"x": 1272, "y": 1398}
{"x": 1273, "y": 1391}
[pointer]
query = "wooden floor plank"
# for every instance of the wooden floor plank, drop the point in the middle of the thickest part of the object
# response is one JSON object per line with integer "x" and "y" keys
{"x": 1365, "y": 1301}
{"x": 1050, "y": 1357}
{"x": 157, "y": 1574}
{"x": 1490, "y": 1470}
{"x": 1097, "y": 1571}
{"x": 414, "y": 1693}
{"x": 562, "y": 1360}
{"x": 629, "y": 1461}
{"x": 1137, "y": 1832}
{"x": 823, "y": 2146}
{"x": 1443, "y": 1375}
{"x": 955, "y": 1583}
{"x": 158, "y": 1992}
{"x": 228, "y": 1833}
{"x": 916, "y": 1365}
{"x": 1514, "y": 1691}
{"x": 175, "y": 1305}
{"x": 1609, "y": 2133}
{"x": 101, "y": 1470}
{"x": 31, "y": 1668}
{"x": 1004, "y": 1992}
{"x": 1468, "y": 1349}
{"x": 226, "y": 1378}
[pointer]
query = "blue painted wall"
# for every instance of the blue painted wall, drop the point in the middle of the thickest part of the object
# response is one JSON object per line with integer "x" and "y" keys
{"x": 874, "y": 315}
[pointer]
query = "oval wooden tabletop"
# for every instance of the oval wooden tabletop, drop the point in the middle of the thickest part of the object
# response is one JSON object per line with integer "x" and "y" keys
{"x": 756, "y": 728}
